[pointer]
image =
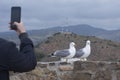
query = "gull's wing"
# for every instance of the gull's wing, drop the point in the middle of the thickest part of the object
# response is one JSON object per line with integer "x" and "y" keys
{"x": 79, "y": 53}
{"x": 62, "y": 53}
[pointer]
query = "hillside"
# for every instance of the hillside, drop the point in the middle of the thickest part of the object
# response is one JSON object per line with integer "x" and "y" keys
{"x": 111, "y": 35}
{"x": 101, "y": 49}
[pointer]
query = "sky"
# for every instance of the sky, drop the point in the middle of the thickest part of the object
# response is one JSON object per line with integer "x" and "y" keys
{"x": 40, "y": 14}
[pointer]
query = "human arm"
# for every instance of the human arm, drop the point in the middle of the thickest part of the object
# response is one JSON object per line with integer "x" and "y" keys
{"x": 24, "y": 59}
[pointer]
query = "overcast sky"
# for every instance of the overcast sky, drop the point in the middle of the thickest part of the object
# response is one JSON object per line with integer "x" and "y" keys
{"x": 38, "y": 14}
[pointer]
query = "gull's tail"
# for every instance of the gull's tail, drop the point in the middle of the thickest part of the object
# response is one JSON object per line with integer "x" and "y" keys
{"x": 51, "y": 55}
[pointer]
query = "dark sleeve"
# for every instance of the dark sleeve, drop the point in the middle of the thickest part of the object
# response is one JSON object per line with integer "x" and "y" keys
{"x": 24, "y": 59}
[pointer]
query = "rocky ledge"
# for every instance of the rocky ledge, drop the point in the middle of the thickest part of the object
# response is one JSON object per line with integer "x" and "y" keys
{"x": 89, "y": 70}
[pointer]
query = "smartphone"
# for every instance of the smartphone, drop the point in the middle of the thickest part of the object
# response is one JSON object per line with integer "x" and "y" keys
{"x": 15, "y": 16}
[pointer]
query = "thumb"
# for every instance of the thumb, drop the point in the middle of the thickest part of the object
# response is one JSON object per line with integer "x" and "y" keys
{"x": 16, "y": 23}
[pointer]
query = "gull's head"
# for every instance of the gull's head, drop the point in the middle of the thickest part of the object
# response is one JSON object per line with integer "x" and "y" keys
{"x": 72, "y": 44}
{"x": 88, "y": 42}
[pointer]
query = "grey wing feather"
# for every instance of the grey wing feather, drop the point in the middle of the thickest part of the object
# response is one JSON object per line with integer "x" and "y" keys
{"x": 62, "y": 53}
{"x": 79, "y": 53}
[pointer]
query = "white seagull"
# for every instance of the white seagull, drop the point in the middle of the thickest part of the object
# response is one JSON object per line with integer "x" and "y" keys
{"x": 84, "y": 52}
{"x": 66, "y": 53}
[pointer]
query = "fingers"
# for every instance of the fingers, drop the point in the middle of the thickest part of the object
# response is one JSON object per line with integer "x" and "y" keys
{"x": 20, "y": 27}
{"x": 17, "y": 24}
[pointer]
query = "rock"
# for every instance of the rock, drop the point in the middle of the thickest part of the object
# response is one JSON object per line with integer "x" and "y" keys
{"x": 65, "y": 68}
{"x": 82, "y": 76}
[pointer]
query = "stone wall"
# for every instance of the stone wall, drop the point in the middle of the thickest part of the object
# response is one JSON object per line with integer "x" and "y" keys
{"x": 90, "y": 70}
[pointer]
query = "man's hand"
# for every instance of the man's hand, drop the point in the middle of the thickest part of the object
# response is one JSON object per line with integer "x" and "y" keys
{"x": 20, "y": 27}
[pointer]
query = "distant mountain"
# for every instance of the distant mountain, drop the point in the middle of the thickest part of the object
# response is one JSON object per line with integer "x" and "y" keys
{"x": 82, "y": 29}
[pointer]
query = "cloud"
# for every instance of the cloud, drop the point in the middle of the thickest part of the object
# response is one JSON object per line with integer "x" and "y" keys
{"x": 38, "y": 14}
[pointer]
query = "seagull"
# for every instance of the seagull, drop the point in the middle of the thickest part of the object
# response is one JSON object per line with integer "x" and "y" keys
{"x": 66, "y": 53}
{"x": 84, "y": 52}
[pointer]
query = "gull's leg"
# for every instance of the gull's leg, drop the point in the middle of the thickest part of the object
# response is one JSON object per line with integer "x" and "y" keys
{"x": 85, "y": 59}
{"x": 81, "y": 59}
{"x": 66, "y": 60}
{"x": 63, "y": 60}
